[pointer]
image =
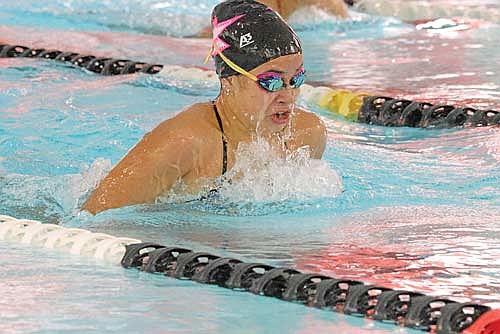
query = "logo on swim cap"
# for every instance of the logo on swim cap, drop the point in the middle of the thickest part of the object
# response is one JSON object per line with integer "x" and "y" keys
{"x": 246, "y": 40}
{"x": 249, "y": 34}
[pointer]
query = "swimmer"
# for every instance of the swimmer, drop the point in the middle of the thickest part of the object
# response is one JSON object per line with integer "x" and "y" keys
{"x": 286, "y": 8}
{"x": 259, "y": 61}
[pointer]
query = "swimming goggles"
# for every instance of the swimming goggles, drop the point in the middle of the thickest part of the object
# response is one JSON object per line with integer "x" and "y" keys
{"x": 269, "y": 81}
{"x": 273, "y": 82}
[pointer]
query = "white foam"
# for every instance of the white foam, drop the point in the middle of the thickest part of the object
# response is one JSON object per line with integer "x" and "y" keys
{"x": 261, "y": 175}
{"x": 77, "y": 186}
{"x": 310, "y": 15}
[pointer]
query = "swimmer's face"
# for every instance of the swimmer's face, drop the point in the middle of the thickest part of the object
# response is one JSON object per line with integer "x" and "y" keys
{"x": 260, "y": 110}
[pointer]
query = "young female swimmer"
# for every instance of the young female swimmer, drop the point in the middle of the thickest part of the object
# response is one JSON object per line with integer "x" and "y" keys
{"x": 258, "y": 58}
{"x": 288, "y": 7}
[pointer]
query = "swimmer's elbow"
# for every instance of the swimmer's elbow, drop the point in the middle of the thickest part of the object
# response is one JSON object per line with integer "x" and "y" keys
{"x": 93, "y": 205}
{"x": 91, "y": 208}
{"x": 110, "y": 194}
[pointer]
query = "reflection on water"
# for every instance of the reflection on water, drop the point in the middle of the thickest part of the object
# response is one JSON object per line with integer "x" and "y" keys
{"x": 412, "y": 10}
{"x": 442, "y": 251}
{"x": 441, "y": 69}
{"x": 419, "y": 209}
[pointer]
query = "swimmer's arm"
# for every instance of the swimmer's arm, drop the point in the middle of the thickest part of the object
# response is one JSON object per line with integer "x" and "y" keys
{"x": 148, "y": 170}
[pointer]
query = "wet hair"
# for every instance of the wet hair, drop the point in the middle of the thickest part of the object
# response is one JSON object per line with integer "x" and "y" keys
{"x": 250, "y": 34}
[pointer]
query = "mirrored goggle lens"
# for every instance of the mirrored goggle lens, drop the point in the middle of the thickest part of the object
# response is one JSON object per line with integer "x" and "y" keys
{"x": 298, "y": 79}
{"x": 272, "y": 83}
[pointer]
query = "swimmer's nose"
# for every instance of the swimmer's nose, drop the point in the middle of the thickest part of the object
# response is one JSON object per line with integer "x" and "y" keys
{"x": 287, "y": 95}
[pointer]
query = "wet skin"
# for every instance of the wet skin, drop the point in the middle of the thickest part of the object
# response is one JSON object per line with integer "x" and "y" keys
{"x": 286, "y": 8}
{"x": 188, "y": 147}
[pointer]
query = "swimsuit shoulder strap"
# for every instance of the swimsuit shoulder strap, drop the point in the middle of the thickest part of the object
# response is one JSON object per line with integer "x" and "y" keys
{"x": 224, "y": 142}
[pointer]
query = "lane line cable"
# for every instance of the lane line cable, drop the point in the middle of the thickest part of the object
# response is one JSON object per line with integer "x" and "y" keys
{"x": 402, "y": 308}
{"x": 354, "y": 106}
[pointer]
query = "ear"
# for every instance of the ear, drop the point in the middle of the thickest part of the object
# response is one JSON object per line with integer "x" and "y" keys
{"x": 227, "y": 86}
{"x": 226, "y": 82}
{"x": 231, "y": 84}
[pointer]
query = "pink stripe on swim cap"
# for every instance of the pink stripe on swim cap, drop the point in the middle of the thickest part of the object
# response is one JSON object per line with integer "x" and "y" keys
{"x": 218, "y": 28}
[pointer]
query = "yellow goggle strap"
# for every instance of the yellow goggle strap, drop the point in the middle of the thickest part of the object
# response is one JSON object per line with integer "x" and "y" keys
{"x": 230, "y": 63}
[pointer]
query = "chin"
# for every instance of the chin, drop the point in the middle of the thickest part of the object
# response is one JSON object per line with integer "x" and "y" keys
{"x": 271, "y": 128}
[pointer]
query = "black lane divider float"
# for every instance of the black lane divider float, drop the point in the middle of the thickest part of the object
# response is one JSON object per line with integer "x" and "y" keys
{"x": 403, "y": 308}
{"x": 377, "y": 110}
{"x": 387, "y": 111}
{"x": 104, "y": 66}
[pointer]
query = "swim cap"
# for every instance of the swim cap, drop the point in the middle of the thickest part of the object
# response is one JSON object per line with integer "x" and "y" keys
{"x": 249, "y": 34}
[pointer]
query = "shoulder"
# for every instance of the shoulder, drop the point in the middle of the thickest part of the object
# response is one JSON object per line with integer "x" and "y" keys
{"x": 307, "y": 116}
{"x": 192, "y": 117}
{"x": 309, "y": 130}
{"x": 306, "y": 120}
{"x": 192, "y": 122}
{"x": 181, "y": 131}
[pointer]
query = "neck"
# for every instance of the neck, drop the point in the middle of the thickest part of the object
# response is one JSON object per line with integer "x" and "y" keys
{"x": 235, "y": 130}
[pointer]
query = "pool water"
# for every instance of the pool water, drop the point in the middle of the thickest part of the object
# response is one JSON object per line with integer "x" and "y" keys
{"x": 416, "y": 209}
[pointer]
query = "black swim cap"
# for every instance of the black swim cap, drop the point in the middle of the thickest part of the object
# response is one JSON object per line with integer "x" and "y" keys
{"x": 250, "y": 34}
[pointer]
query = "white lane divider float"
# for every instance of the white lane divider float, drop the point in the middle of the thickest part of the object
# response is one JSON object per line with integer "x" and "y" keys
{"x": 73, "y": 240}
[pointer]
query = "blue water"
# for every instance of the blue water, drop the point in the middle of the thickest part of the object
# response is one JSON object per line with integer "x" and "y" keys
{"x": 419, "y": 208}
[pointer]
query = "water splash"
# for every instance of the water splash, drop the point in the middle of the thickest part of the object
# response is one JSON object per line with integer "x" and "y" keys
{"x": 54, "y": 199}
{"x": 357, "y": 25}
{"x": 261, "y": 175}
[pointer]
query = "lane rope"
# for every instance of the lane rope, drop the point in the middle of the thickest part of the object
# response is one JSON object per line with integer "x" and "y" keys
{"x": 354, "y": 106}
{"x": 73, "y": 240}
{"x": 402, "y": 308}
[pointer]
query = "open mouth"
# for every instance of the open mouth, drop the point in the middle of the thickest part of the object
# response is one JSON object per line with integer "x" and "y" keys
{"x": 280, "y": 117}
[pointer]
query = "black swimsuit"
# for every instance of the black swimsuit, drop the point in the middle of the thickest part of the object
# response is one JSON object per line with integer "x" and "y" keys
{"x": 213, "y": 193}
{"x": 224, "y": 142}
